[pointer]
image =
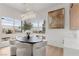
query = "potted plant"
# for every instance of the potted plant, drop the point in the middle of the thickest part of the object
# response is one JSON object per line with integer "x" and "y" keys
{"x": 26, "y": 26}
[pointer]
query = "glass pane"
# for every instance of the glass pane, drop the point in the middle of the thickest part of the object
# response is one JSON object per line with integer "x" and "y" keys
{"x": 11, "y": 25}
{"x": 38, "y": 26}
{"x": 7, "y": 21}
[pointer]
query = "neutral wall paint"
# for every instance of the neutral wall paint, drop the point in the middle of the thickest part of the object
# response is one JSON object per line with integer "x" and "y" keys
{"x": 11, "y": 12}
{"x": 56, "y": 36}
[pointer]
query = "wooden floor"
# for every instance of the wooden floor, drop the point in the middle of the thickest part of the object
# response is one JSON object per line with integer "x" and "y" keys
{"x": 50, "y": 51}
{"x": 54, "y": 51}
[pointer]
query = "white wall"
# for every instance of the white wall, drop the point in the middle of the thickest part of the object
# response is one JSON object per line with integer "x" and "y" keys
{"x": 8, "y": 11}
{"x": 56, "y": 36}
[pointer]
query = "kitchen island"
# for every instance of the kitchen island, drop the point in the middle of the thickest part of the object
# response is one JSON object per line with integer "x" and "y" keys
{"x": 31, "y": 41}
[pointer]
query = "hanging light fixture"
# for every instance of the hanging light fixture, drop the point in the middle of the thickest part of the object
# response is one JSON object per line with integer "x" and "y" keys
{"x": 29, "y": 14}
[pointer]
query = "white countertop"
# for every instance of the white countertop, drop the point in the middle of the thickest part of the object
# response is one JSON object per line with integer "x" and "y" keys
{"x": 32, "y": 39}
{"x": 56, "y": 44}
{"x": 71, "y": 43}
{"x": 8, "y": 44}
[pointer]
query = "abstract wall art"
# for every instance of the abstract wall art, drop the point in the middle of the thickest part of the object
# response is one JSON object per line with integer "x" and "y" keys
{"x": 56, "y": 19}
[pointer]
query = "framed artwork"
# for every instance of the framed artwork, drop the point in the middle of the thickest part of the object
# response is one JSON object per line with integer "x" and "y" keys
{"x": 56, "y": 19}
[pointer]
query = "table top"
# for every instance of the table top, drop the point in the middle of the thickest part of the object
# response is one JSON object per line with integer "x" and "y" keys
{"x": 32, "y": 40}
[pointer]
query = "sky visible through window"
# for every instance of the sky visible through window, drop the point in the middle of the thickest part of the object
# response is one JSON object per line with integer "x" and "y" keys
{"x": 37, "y": 24}
{"x": 10, "y": 21}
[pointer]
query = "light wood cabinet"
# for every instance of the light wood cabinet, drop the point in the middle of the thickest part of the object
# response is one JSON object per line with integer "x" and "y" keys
{"x": 25, "y": 49}
{"x": 5, "y": 51}
{"x": 40, "y": 49}
{"x": 54, "y": 51}
{"x": 8, "y": 51}
{"x": 74, "y": 16}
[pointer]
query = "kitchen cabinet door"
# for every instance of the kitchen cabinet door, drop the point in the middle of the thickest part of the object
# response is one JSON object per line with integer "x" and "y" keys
{"x": 23, "y": 49}
{"x": 40, "y": 52}
{"x": 74, "y": 16}
{"x": 5, "y": 51}
{"x": 39, "y": 49}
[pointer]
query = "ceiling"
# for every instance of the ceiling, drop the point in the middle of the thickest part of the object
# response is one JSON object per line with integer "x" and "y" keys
{"x": 35, "y": 7}
{"x": 23, "y": 7}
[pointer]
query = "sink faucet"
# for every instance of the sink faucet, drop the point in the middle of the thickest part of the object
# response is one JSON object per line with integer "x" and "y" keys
{"x": 28, "y": 35}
